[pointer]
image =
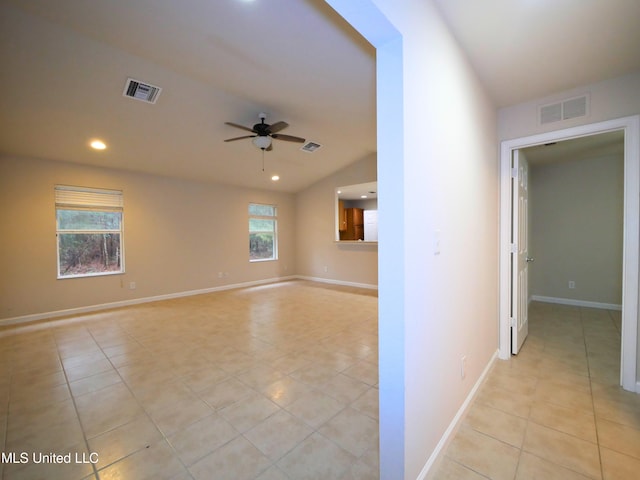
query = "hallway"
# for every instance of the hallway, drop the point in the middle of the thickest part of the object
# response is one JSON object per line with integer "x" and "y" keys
{"x": 555, "y": 411}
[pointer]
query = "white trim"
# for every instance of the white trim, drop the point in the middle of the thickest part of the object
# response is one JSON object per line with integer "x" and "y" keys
{"x": 631, "y": 127}
{"x": 576, "y": 303}
{"x": 136, "y": 301}
{"x": 338, "y": 282}
{"x": 451, "y": 429}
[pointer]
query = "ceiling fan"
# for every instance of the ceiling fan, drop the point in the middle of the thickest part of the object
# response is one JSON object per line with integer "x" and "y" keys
{"x": 263, "y": 133}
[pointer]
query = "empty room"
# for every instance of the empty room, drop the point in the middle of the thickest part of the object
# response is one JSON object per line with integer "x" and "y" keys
{"x": 249, "y": 239}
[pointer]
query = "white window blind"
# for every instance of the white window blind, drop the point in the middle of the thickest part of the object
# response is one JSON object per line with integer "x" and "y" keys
{"x": 88, "y": 197}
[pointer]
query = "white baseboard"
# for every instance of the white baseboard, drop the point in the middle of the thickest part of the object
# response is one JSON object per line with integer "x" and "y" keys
{"x": 446, "y": 437}
{"x": 338, "y": 282}
{"x": 136, "y": 301}
{"x": 576, "y": 303}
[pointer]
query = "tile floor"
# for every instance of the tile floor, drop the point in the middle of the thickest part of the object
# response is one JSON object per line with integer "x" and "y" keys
{"x": 272, "y": 382}
{"x": 280, "y": 382}
{"x": 555, "y": 411}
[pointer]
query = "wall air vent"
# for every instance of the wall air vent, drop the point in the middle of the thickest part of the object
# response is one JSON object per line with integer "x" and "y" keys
{"x": 310, "y": 147}
{"x": 141, "y": 91}
{"x": 570, "y": 108}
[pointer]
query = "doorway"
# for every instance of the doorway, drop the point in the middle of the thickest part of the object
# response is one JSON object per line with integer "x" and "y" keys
{"x": 631, "y": 128}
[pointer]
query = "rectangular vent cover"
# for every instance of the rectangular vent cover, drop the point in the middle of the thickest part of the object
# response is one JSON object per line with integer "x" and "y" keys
{"x": 310, "y": 147}
{"x": 141, "y": 91}
{"x": 570, "y": 108}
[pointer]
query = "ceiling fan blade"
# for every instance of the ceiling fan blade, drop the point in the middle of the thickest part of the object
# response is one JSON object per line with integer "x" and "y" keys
{"x": 288, "y": 138}
{"x": 269, "y": 148}
{"x": 239, "y": 138}
{"x": 276, "y": 127}
{"x": 241, "y": 126}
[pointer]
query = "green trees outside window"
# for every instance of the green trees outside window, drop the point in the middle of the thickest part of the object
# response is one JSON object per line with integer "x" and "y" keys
{"x": 262, "y": 232}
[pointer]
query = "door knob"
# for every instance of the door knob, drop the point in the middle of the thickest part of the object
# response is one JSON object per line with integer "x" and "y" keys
{"x": 530, "y": 259}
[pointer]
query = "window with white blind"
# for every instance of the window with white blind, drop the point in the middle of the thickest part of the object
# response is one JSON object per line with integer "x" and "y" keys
{"x": 89, "y": 231}
{"x": 263, "y": 240}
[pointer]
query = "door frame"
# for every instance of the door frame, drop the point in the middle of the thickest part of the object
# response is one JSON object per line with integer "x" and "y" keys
{"x": 631, "y": 242}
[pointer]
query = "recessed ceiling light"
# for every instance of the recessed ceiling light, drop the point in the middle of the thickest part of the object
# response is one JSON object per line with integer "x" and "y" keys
{"x": 275, "y": 178}
{"x": 363, "y": 196}
{"x": 98, "y": 145}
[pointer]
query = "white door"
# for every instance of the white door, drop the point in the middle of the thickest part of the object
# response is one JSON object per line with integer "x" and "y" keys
{"x": 519, "y": 251}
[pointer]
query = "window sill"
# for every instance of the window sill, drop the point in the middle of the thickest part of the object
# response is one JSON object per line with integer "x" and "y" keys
{"x": 354, "y": 242}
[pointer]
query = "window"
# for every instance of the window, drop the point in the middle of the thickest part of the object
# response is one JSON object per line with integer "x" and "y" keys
{"x": 263, "y": 243}
{"x": 88, "y": 231}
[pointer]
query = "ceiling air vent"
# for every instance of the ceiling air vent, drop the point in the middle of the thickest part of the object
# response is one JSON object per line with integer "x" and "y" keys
{"x": 310, "y": 147}
{"x": 141, "y": 91}
{"x": 571, "y": 108}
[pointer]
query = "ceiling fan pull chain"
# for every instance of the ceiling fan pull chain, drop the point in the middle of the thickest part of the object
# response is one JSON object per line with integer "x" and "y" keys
{"x": 263, "y": 159}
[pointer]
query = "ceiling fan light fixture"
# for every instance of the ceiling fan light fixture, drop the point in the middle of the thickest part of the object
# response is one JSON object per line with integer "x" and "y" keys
{"x": 262, "y": 142}
{"x": 263, "y": 133}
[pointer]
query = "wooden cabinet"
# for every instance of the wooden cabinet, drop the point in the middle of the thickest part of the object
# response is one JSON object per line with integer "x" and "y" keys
{"x": 353, "y": 224}
{"x": 342, "y": 217}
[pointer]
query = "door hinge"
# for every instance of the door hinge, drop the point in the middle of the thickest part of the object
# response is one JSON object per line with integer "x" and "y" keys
{"x": 514, "y": 172}
{"x": 512, "y": 322}
{"x": 513, "y": 248}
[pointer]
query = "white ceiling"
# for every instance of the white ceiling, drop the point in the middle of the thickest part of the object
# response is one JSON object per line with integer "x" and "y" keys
{"x": 358, "y": 192}
{"x": 64, "y": 65}
{"x": 525, "y": 49}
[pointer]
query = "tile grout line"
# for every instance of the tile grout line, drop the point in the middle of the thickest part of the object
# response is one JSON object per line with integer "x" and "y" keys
{"x": 593, "y": 405}
{"x": 146, "y": 413}
{"x": 61, "y": 346}
{"x": 73, "y": 400}
{"x": 127, "y": 387}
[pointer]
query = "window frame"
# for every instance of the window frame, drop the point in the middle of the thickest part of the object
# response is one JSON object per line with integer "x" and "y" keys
{"x": 71, "y": 198}
{"x": 273, "y": 218}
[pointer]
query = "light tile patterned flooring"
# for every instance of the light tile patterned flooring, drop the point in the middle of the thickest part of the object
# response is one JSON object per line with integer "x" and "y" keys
{"x": 555, "y": 411}
{"x": 280, "y": 382}
{"x": 272, "y": 382}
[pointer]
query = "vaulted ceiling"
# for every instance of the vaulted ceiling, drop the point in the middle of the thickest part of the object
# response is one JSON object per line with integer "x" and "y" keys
{"x": 65, "y": 64}
{"x": 525, "y": 49}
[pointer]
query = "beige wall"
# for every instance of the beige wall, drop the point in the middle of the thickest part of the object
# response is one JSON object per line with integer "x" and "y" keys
{"x": 438, "y": 176}
{"x": 178, "y": 235}
{"x": 315, "y": 231}
{"x": 609, "y": 99}
{"x": 576, "y": 229}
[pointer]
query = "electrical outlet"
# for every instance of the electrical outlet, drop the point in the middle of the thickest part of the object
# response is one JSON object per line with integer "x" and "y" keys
{"x": 219, "y": 274}
{"x": 572, "y": 284}
{"x": 463, "y": 367}
{"x": 326, "y": 269}
{"x": 132, "y": 285}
